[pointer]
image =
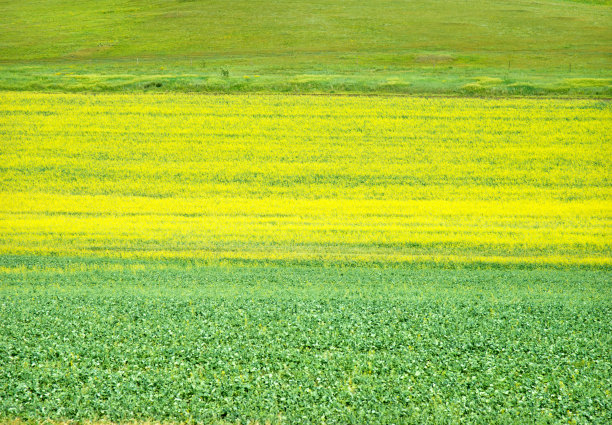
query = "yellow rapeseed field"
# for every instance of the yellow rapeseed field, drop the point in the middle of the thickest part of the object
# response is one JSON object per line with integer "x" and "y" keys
{"x": 313, "y": 178}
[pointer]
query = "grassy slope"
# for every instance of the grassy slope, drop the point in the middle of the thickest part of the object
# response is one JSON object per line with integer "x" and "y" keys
{"x": 384, "y": 45}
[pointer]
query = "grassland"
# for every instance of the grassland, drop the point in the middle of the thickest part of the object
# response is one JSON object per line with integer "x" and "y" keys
{"x": 488, "y": 47}
{"x": 304, "y": 259}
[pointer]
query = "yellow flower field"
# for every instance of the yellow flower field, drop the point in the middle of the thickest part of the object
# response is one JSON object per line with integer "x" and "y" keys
{"x": 275, "y": 178}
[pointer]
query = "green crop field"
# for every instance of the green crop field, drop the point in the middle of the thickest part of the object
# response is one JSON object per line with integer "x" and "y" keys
{"x": 180, "y": 342}
{"x": 229, "y": 259}
{"x": 485, "y": 47}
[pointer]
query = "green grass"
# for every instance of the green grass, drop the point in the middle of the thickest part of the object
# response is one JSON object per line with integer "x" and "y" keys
{"x": 88, "y": 339}
{"x": 388, "y": 46}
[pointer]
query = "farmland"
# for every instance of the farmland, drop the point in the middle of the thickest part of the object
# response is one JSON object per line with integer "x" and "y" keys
{"x": 304, "y": 259}
{"x": 307, "y": 178}
{"x": 289, "y": 212}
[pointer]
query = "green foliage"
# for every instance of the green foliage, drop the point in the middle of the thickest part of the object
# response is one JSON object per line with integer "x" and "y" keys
{"x": 184, "y": 341}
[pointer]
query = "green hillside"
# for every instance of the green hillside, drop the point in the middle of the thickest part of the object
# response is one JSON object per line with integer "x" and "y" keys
{"x": 489, "y": 46}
